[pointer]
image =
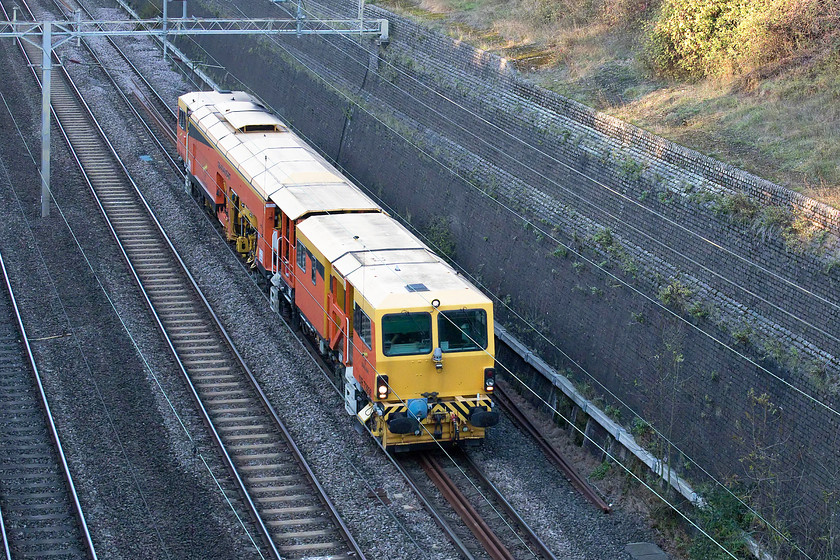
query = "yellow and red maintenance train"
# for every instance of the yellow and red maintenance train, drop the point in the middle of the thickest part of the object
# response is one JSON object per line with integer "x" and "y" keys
{"x": 412, "y": 337}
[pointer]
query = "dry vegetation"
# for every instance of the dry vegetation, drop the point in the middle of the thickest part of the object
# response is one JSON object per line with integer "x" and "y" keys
{"x": 755, "y": 83}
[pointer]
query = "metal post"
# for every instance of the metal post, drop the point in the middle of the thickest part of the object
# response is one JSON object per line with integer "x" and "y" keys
{"x": 165, "y": 25}
{"x": 46, "y": 66}
{"x": 184, "y": 15}
{"x": 299, "y": 17}
{"x": 361, "y": 16}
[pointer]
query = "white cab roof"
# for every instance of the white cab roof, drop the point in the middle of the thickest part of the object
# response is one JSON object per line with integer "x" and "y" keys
{"x": 386, "y": 264}
{"x": 278, "y": 164}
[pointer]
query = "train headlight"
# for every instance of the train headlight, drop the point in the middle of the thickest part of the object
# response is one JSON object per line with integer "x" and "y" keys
{"x": 489, "y": 379}
{"x": 382, "y": 388}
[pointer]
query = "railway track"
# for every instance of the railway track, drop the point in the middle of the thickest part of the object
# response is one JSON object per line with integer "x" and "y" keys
{"x": 7, "y": 554}
{"x": 293, "y": 514}
{"x": 497, "y": 529}
{"x": 141, "y": 98}
{"x": 152, "y": 105}
{"x": 41, "y": 512}
{"x": 526, "y": 425}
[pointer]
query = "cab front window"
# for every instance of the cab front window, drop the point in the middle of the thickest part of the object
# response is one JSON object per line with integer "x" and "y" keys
{"x": 406, "y": 333}
{"x": 462, "y": 330}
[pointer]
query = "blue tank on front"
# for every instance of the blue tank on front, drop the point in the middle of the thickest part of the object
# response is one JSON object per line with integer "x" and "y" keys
{"x": 418, "y": 408}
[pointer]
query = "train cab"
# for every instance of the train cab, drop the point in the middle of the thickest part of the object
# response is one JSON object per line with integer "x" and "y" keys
{"x": 420, "y": 368}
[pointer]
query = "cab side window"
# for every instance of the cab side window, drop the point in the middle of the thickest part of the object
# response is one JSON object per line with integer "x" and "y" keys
{"x": 362, "y": 324}
{"x": 182, "y": 119}
{"x": 300, "y": 251}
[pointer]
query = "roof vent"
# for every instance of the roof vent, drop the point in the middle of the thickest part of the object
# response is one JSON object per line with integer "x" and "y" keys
{"x": 416, "y": 288}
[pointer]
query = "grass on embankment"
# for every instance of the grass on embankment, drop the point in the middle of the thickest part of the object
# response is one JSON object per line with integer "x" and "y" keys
{"x": 772, "y": 109}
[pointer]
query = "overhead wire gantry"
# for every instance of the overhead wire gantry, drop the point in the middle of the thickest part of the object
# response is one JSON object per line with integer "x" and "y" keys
{"x": 48, "y": 35}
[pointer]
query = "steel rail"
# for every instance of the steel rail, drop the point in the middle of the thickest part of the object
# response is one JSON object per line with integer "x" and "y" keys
{"x": 166, "y": 127}
{"x": 355, "y": 551}
{"x": 543, "y": 549}
{"x": 141, "y": 97}
{"x": 297, "y": 455}
{"x": 87, "y": 542}
{"x": 229, "y": 463}
{"x": 145, "y": 105}
{"x": 463, "y": 549}
{"x": 7, "y": 554}
{"x": 534, "y": 539}
{"x": 433, "y": 511}
{"x": 509, "y": 510}
{"x": 551, "y": 452}
{"x": 461, "y": 504}
{"x": 59, "y": 449}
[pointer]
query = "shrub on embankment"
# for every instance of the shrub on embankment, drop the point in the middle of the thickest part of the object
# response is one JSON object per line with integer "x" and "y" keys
{"x": 692, "y": 39}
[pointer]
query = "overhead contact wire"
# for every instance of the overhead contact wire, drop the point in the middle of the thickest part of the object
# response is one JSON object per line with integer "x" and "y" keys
{"x": 569, "y": 248}
{"x": 578, "y": 365}
{"x": 568, "y": 167}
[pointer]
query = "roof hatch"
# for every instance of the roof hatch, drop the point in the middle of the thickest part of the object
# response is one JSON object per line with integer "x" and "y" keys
{"x": 416, "y": 288}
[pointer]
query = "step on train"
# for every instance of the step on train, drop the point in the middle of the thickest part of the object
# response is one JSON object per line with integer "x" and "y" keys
{"x": 410, "y": 338}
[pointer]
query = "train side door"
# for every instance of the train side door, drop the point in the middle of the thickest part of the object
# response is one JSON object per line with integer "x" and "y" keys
{"x": 348, "y": 312}
{"x": 337, "y": 321}
{"x": 340, "y": 315}
{"x": 282, "y": 247}
{"x": 286, "y": 244}
{"x": 275, "y": 247}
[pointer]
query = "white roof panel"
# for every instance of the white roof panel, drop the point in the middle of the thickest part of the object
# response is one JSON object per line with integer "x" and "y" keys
{"x": 270, "y": 140}
{"x": 218, "y": 130}
{"x": 343, "y": 233}
{"x": 267, "y": 140}
{"x": 233, "y": 106}
{"x": 229, "y": 142}
{"x": 384, "y": 261}
{"x": 241, "y": 119}
{"x": 239, "y": 153}
{"x": 299, "y": 200}
{"x": 413, "y": 285}
{"x": 272, "y": 161}
{"x": 280, "y": 155}
{"x": 198, "y": 98}
{"x": 200, "y": 112}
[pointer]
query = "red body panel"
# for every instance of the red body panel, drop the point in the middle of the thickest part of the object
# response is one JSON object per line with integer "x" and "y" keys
{"x": 364, "y": 363}
{"x": 311, "y": 297}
